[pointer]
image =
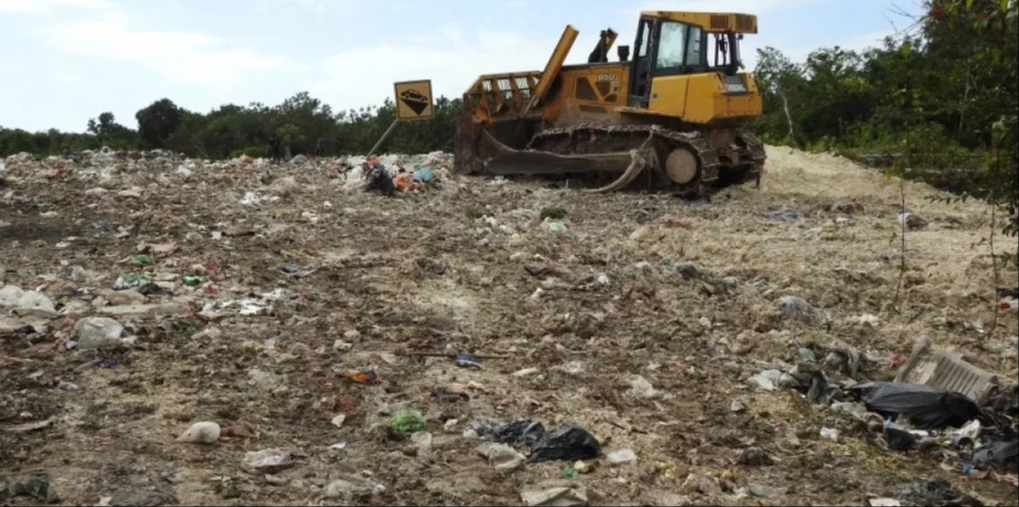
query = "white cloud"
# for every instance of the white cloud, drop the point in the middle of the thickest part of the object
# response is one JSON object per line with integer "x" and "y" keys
{"x": 363, "y": 76}
{"x": 189, "y": 57}
{"x": 46, "y": 6}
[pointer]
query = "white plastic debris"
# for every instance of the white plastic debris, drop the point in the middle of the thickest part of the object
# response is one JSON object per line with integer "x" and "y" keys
{"x": 268, "y": 461}
{"x": 253, "y": 199}
{"x": 621, "y": 457}
{"x": 640, "y": 387}
{"x": 98, "y": 333}
{"x": 830, "y": 434}
{"x": 501, "y": 456}
{"x": 201, "y": 433}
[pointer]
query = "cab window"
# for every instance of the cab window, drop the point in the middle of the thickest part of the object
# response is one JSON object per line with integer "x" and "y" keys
{"x": 671, "y": 45}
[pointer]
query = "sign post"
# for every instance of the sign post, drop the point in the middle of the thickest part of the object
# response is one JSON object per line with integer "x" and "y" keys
{"x": 413, "y": 103}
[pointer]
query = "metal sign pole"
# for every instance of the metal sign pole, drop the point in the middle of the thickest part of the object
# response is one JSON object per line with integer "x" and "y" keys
{"x": 384, "y": 137}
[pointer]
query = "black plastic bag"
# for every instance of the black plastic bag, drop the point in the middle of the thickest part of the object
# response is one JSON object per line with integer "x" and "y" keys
{"x": 516, "y": 434}
{"x": 1003, "y": 454}
{"x": 928, "y": 408}
{"x": 938, "y": 492}
{"x": 568, "y": 443}
{"x": 900, "y": 440}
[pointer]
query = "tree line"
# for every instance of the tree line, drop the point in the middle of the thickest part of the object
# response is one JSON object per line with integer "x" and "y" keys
{"x": 939, "y": 101}
{"x": 300, "y": 121}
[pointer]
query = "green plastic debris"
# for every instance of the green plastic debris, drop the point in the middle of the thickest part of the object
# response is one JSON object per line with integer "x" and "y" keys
{"x": 570, "y": 473}
{"x": 128, "y": 280}
{"x": 192, "y": 281}
{"x": 142, "y": 260}
{"x": 408, "y": 421}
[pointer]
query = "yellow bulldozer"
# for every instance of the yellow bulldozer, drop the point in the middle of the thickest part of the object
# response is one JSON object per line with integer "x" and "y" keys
{"x": 667, "y": 119}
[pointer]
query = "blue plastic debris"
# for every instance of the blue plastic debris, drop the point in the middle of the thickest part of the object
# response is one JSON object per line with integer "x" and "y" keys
{"x": 465, "y": 360}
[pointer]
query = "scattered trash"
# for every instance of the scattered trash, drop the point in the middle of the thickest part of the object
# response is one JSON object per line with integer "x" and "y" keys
{"x": 501, "y": 456}
{"x": 406, "y": 422}
{"x": 830, "y": 434}
{"x": 926, "y": 407}
{"x": 703, "y": 484}
{"x": 338, "y": 420}
{"x": 772, "y": 380}
{"x": 783, "y": 215}
{"x": 142, "y": 260}
{"x": 351, "y": 487}
{"x": 365, "y": 377}
{"x": 268, "y": 461}
{"x": 884, "y": 502}
{"x": 937, "y": 492}
{"x": 621, "y": 456}
{"x": 201, "y": 433}
{"x": 912, "y": 221}
{"x": 255, "y": 200}
{"x": 554, "y": 497}
{"x": 98, "y": 333}
{"x": 568, "y": 443}
{"x": 37, "y": 487}
{"x": 465, "y": 360}
{"x": 641, "y": 388}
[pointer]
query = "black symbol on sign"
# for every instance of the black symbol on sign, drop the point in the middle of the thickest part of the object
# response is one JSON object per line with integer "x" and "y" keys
{"x": 415, "y": 100}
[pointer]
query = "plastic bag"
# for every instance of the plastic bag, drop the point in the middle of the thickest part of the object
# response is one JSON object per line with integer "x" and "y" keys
{"x": 568, "y": 443}
{"x": 928, "y": 408}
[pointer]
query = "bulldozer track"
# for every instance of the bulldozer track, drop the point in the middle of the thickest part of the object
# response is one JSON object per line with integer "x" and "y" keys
{"x": 649, "y": 144}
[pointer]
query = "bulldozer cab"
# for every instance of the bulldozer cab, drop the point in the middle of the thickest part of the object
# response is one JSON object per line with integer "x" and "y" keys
{"x": 682, "y": 43}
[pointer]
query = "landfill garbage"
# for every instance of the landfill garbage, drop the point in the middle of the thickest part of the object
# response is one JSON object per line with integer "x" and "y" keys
{"x": 783, "y": 215}
{"x": 516, "y": 434}
{"x": 912, "y": 221}
{"x": 350, "y": 488}
{"x": 884, "y": 502}
{"x": 362, "y": 377}
{"x": 465, "y": 360}
{"x": 406, "y": 422}
{"x": 641, "y": 388}
{"x": 501, "y": 456}
{"x": 98, "y": 333}
{"x": 554, "y": 497}
{"x": 142, "y": 260}
{"x": 927, "y": 408}
{"x": 830, "y": 434}
{"x": 132, "y": 281}
{"x": 38, "y": 487}
{"x": 1001, "y": 452}
{"x": 937, "y": 492}
{"x": 201, "y": 433}
{"x": 703, "y": 484}
{"x": 621, "y": 456}
{"x": 568, "y": 443}
{"x": 268, "y": 461}
{"x": 378, "y": 181}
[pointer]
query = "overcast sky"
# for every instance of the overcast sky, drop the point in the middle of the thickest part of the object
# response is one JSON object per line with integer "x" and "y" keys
{"x": 64, "y": 61}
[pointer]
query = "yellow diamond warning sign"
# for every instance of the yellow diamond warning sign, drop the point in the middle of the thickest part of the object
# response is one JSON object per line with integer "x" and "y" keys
{"x": 414, "y": 100}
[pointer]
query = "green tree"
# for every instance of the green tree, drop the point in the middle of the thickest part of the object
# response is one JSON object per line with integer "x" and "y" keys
{"x": 158, "y": 121}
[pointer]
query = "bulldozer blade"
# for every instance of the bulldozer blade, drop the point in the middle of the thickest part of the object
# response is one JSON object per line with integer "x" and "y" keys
{"x": 508, "y": 161}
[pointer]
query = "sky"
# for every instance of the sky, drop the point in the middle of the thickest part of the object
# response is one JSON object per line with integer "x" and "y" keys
{"x": 65, "y": 61}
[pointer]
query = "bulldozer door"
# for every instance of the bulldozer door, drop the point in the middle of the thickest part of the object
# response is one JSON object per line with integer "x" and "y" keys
{"x": 640, "y": 81}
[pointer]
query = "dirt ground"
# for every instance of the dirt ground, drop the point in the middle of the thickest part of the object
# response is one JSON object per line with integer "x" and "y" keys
{"x": 351, "y": 281}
